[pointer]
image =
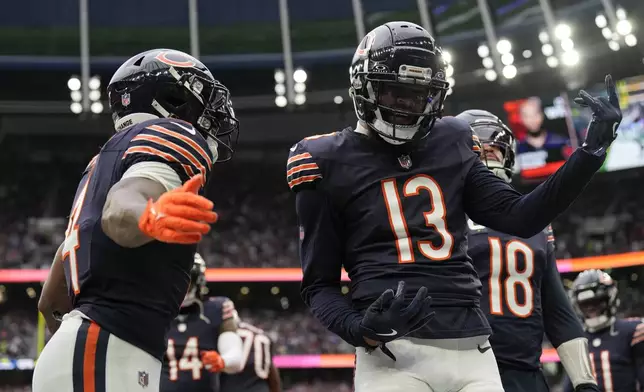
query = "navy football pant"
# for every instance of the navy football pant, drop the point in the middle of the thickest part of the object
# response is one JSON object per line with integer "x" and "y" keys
{"x": 523, "y": 381}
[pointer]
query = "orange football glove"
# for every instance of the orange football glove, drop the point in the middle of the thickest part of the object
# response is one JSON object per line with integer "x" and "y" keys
{"x": 212, "y": 361}
{"x": 179, "y": 216}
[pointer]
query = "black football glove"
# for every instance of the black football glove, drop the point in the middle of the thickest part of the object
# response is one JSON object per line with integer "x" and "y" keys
{"x": 587, "y": 388}
{"x": 388, "y": 319}
{"x": 607, "y": 115}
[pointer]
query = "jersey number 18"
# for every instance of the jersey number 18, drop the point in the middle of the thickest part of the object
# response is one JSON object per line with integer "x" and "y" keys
{"x": 507, "y": 259}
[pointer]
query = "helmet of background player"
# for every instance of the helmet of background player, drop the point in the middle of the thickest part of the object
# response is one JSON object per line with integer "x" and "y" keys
{"x": 398, "y": 82}
{"x": 497, "y": 140}
{"x": 197, "y": 288}
{"x": 594, "y": 296}
{"x": 169, "y": 83}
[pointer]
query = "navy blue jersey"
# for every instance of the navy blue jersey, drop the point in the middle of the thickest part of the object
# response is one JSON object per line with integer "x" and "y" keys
{"x": 195, "y": 330}
{"x": 388, "y": 213}
{"x": 258, "y": 358}
{"x": 133, "y": 293}
{"x": 523, "y": 296}
{"x": 617, "y": 354}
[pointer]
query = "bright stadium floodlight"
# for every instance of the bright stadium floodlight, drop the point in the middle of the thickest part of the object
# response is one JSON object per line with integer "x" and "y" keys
{"x": 630, "y": 40}
{"x": 620, "y": 13}
{"x": 504, "y": 46}
{"x": 338, "y": 100}
{"x": 613, "y": 45}
{"x": 607, "y": 33}
{"x": 552, "y": 62}
{"x": 449, "y": 71}
{"x": 507, "y": 59}
{"x": 280, "y": 89}
{"x": 562, "y": 31}
{"x": 547, "y": 50}
{"x": 94, "y": 83}
{"x": 280, "y": 101}
{"x": 279, "y": 76}
{"x": 449, "y": 91}
{"x": 76, "y": 108}
{"x": 299, "y": 88}
{"x": 447, "y": 56}
{"x": 299, "y": 76}
{"x": 74, "y": 83}
{"x": 490, "y": 75}
{"x": 624, "y": 27}
{"x": 488, "y": 62}
{"x": 527, "y": 54}
{"x": 451, "y": 82}
{"x": 76, "y": 96}
{"x": 600, "y": 21}
{"x": 483, "y": 51}
{"x": 96, "y": 108}
{"x": 509, "y": 71}
{"x": 570, "y": 58}
{"x": 300, "y": 99}
{"x": 94, "y": 95}
{"x": 543, "y": 37}
{"x": 567, "y": 44}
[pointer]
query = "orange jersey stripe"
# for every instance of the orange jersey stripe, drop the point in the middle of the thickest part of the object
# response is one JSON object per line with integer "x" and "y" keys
{"x": 306, "y": 166}
{"x": 186, "y": 139}
{"x": 300, "y": 180}
{"x": 154, "y": 151}
{"x": 298, "y": 157}
{"x": 175, "y": 147}
{"x": 89, "y": 358}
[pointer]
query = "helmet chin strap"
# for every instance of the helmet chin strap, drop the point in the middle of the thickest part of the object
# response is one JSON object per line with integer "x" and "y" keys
{"x": 497, "y": 168}
{"x": 384, "y": 129}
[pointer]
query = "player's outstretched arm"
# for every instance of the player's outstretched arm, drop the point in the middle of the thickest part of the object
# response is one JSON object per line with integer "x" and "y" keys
{"x": 563, "y": 328}
{"x": 54, "y": 300}
{"x": 230, "y": 347}
{"x": 490, "y": 201}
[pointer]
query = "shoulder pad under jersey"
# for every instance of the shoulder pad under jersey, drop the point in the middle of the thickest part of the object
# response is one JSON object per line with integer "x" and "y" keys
{"x": 304, "y": 167}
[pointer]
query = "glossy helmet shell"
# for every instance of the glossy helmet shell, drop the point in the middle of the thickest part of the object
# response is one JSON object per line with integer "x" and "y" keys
{"x": 595, "y": 286}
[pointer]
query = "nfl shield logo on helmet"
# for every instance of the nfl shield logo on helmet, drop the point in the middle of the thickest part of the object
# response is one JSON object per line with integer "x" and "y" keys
{"x": 405, "y": 161}
{"x": 143, "y": 379}
{"x": 125, "y": 99}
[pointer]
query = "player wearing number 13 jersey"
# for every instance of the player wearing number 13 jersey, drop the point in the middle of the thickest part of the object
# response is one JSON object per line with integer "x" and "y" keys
{"x": 388, "y": 202}
{"x": 134, "y": 225}
{"x": 202, "y": 341}
{"x": 522, "y": 293}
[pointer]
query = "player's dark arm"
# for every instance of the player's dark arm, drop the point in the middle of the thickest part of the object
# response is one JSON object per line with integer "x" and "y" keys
{"x": 274, "y": 380}
{"x": 562, "y": 326}
{"x": 54, "y": 300}
{"x": 125, "y": 204}
{"x": 321, "y": 258}
{"x": 230, "y": 347}
{"x": 492, "y": 202}
{"x": 637, "y": 351}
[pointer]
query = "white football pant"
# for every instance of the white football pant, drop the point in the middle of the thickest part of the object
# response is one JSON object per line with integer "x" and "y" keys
{"x": 429, "y": 365}
{"x": 83, "y": 357}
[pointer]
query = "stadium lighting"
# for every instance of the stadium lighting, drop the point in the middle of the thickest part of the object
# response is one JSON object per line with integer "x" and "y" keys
{"x": 338, "y": 100}
{"x": 490, "y": 75}
{"x": 620, "y": 13}
{"x": 509, "y": 71}
{"x": 74, "y": 84}
{"x": 447, "y": 56}
{"x": 450, "y": 91}
{"x": 76, "y": 107}
{"x": 299, "y": 76}
{"x": 94, "y": 83}
{"x": 630, "y": 40}
{"x": 280, "y": 89}
{"x": 299, "y": 88}
{"x": 624, "y": 27}
{"x": 570, "y": 58}
{"x": 451, "y": 82}
{"x": 527, "y": 54}
{"x": 279, "y": 76}
{"x": 567, "y": 44}
{"x": 547, "y": 50}
{"x": 562, "y": 31}
{"x": 600, "y": 21}
{"x": 488, "y": 62}
{"x": 503, "y": 46}
{"x": 552, "y": 62}
{"x": 543, "y": 37}
{"x": 96, "y": 108}
{"x": 613, "y": 45}
{"x": 76, "y": 96}
{"x": 607, "y": 33}
{"x": 507, "y": 59}
{"x": 449, "y": 71}
{"x": 483, "y": 51}
{"x": 299, "y": 99}
{"x": 94, "y": 95}
{"x": 280, "y": 101}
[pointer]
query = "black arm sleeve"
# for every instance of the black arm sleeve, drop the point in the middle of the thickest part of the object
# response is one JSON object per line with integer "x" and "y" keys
{"x": 559, "y": 318}
{"x": 321, "y": 257}
{"x": 492, "y": 202}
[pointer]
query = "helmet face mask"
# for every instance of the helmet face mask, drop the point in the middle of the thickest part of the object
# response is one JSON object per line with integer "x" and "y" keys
{"x": 197, "y": 289}
{"x": 171, "y": 84}
{"x": 594, "y": 297}
{"x": 398, "y": 82}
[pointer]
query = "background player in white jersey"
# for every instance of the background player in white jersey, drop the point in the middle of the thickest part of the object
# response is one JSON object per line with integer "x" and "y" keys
{"x": 133, "y": 228}
{"x": 203, "y": 339}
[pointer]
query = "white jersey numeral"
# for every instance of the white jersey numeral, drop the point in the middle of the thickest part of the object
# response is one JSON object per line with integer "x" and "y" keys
{"x": 189, "y": 359}
{"x": 261, "y": 346}
{"x": 515, "y": 280}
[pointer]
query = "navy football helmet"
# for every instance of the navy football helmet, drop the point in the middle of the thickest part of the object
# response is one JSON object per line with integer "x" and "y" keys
{"x": 398, "y": 82}
{"x": 197, "y": 289}
{"x": 172, "y": 84}
{"x": 594, "y": 297}
{"x": 491, "y": 131}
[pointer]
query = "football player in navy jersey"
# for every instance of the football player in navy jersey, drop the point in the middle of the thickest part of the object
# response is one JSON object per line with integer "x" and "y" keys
{"x": 260, "y": 373}
{"x": 203, "y": 339}
{"x": 134, "y": 225}
{"x": 522, "y": 293}
{"x": 616, "y": 345}
{"x": 388, "y": 202}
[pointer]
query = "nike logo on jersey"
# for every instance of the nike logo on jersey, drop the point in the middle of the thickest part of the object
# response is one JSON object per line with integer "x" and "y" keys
{"x": 190, "y": 130}
{"x": 294, "y": 148}
{"x": 392, "y": 333}
{"x": 483, "y": 349}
